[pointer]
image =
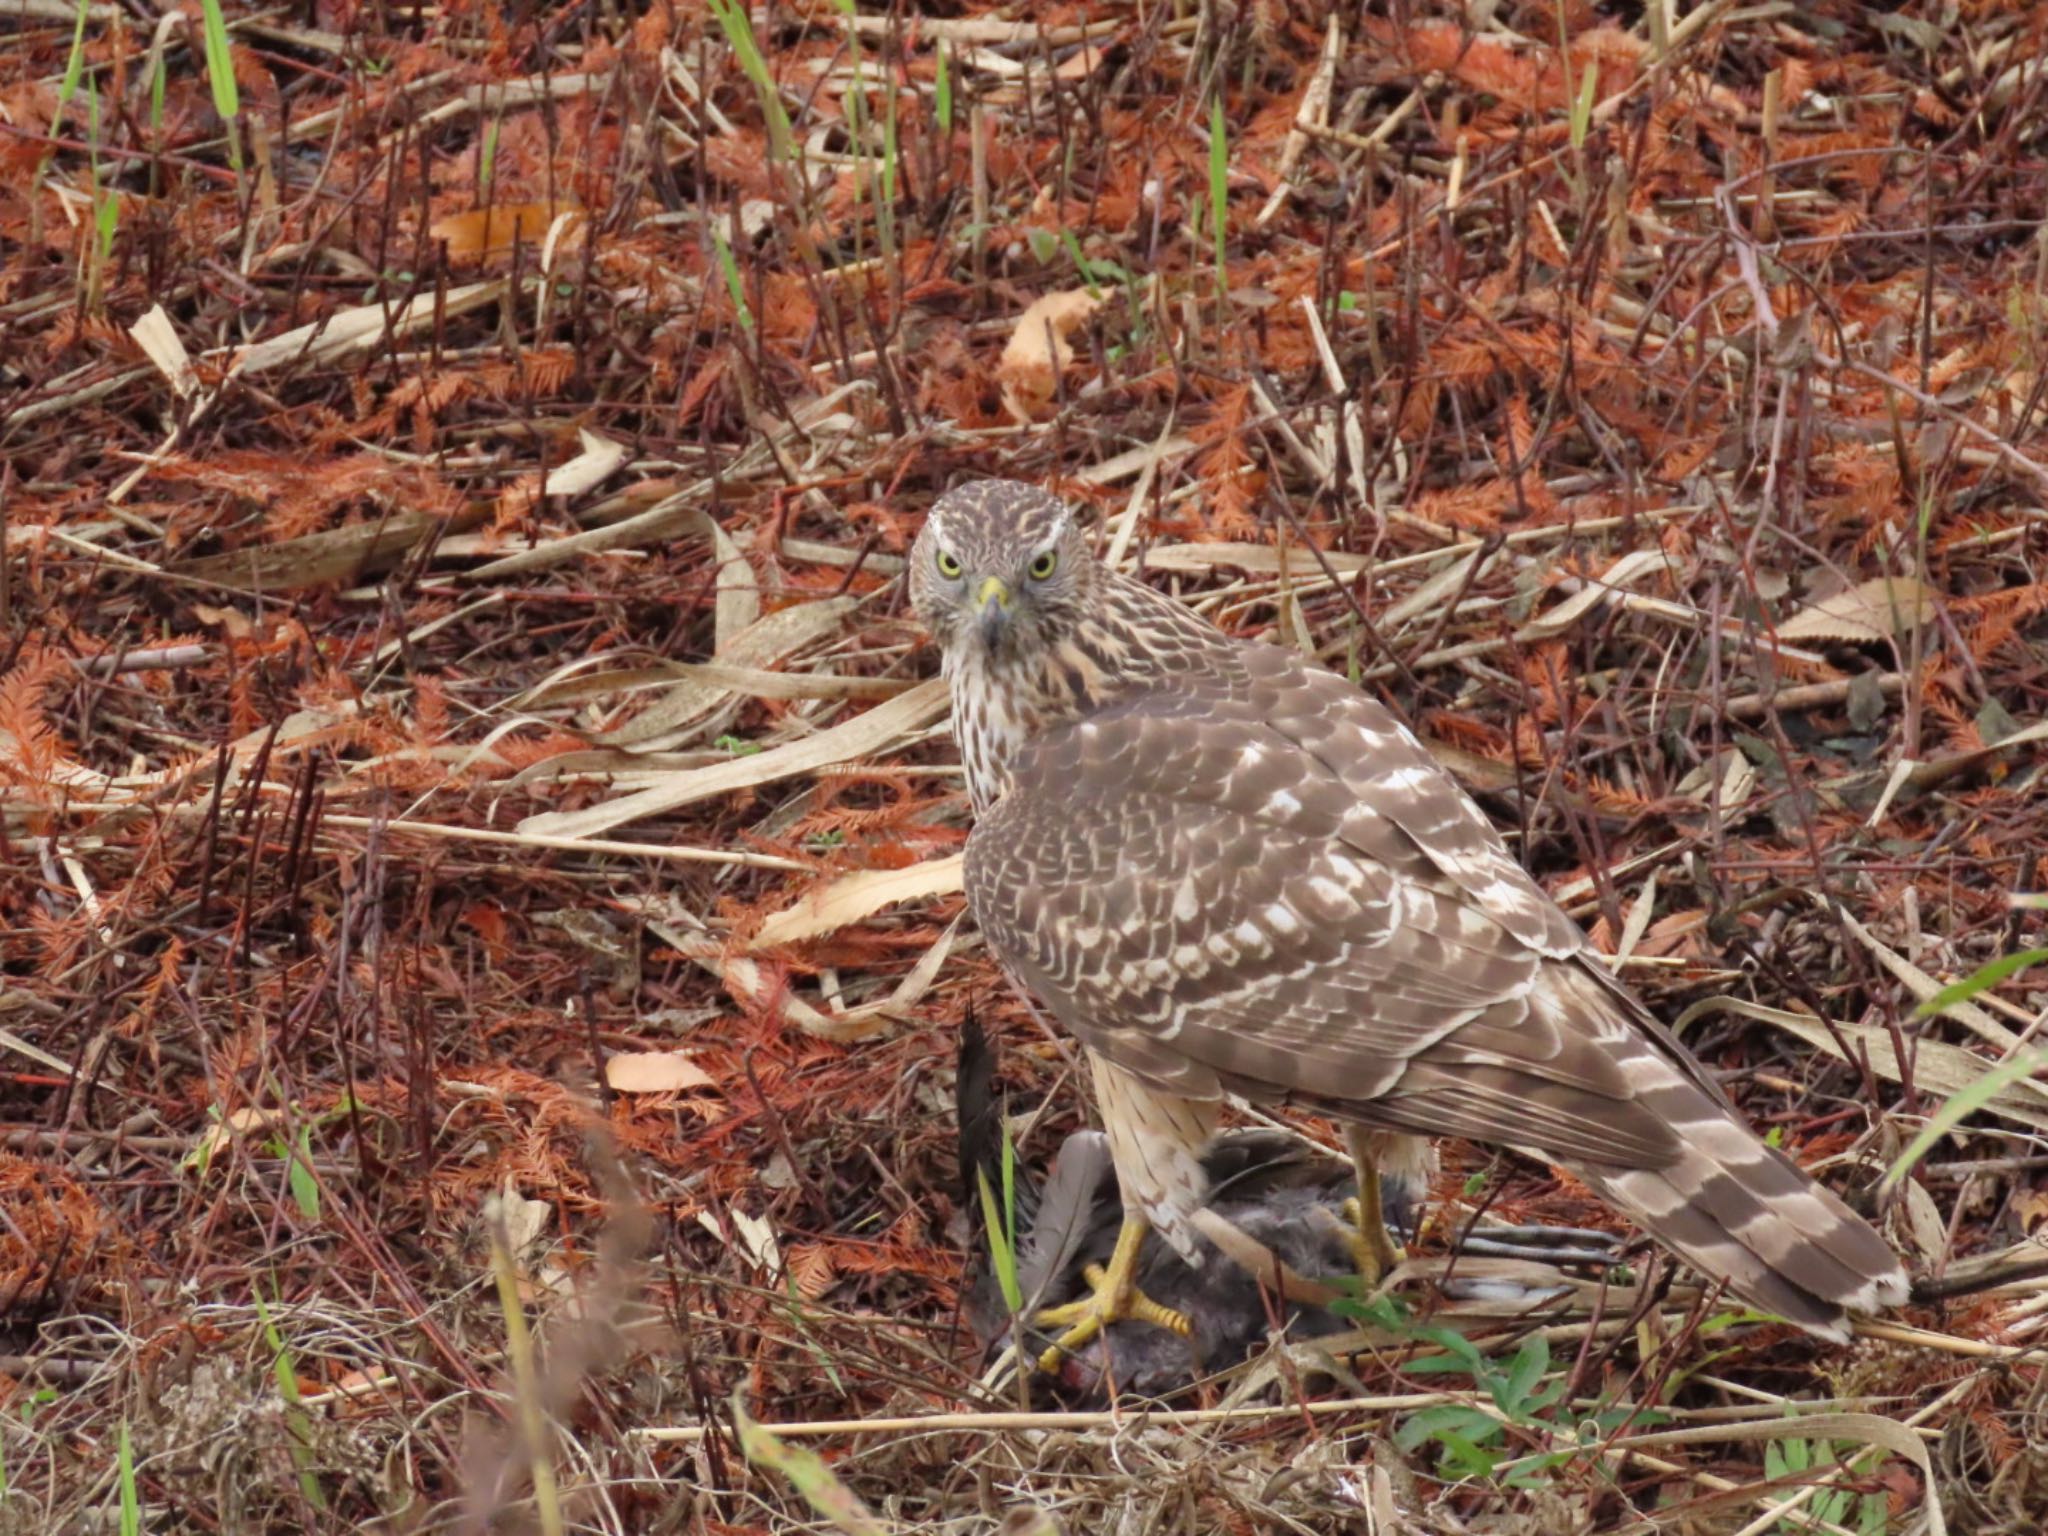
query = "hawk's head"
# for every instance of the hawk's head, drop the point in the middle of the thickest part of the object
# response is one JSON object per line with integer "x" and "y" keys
{"x": 1001, "y": 566}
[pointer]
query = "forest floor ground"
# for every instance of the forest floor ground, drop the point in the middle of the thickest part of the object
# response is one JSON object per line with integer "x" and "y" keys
{"x": 481, "y": 950}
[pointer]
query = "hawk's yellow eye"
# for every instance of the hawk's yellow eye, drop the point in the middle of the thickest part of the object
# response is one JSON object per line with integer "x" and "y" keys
{"x": 1042, "y": 566}
{"x": 949, "y": 565}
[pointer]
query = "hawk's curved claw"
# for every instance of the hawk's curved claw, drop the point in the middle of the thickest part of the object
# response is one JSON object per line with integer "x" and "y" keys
{"x": 1113, "y": 1297}
{"x": 1374, "y": 1252}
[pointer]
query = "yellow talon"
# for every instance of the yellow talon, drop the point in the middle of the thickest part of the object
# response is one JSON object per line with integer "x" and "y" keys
{"x": 1372, "y": 1250}
{"x": 1145, "y": 1310}
{"x": 1113, "y": 1296}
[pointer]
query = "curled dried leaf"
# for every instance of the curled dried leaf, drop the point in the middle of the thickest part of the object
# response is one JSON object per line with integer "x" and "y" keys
{"x": 247, "y": 1121}
{"x": 1038, "y": 350}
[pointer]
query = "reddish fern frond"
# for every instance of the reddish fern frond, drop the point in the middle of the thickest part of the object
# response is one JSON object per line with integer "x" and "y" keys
{"x": 1226, "y": 468}
{"x": 30, "y": 750}
{"x": 1478, "y": 507}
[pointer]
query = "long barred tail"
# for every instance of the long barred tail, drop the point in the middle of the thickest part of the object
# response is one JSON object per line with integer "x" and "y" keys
{"x": 1743, "y": 1212}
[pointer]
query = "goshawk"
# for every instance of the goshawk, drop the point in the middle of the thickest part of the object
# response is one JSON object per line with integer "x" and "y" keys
{"x": 1227, "y": 870}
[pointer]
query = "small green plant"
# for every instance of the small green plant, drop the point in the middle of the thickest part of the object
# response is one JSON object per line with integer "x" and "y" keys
{"x": 857, "y": 126}
{"x": 298, "y": 1160}
{"x": 738, "y": 746}
{"x": 32, "y": 1403}
{"x": 156, "y": 97}
{"x": 106, "y": 209}
{"x": 74, "y": 70}
{"x": 1802, "y": 1461}
{"x": 1580, "y": 112}
{"x": 1472, "y": 1440}
{"x": 1081, "y": 263}
{"x": 886, "y": 209}
{"x": 943, "y": 89}
{"x": 487, "y": 163}
{"x": 1582, "y": 107}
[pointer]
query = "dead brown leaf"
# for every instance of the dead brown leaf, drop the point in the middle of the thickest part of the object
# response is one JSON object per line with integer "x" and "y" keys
{"x": 488, "y": 231}
{"x": 654, "y": 1072}
{"x": 1871, "y": 610}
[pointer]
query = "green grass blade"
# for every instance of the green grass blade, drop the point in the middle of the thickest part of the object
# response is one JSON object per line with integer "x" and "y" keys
{"x": 1009, "y": 1188}
{"x": 74, "y": 69}
{"x": 739, "y": 33}
{"x": 1219, "y": 183}
{"x": 1582, "y": 105}
{"x": 1959, "y": 1108}
{"x": 889, "y": 154}
{"x": 526, "y": 1381}
{"x": 220, "y": 64}
{"x": 732, "y": 281}
{"x": 488, "y": 164}
{"x": 296, "y": 1424}
{"x": 1081, "y": 262}
{"x": 305, "y": 1187}
{"x": 1973, "y": 1096}
{"x": 131, "y": 1501}
{"x": 1980, "y": 980}
{"x": 806, "y": 1472}
{"x": 1001, "y": 1249}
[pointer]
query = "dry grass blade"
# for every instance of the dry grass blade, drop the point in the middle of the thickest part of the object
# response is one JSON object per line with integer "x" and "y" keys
{"x": 698, "y": 704}
{"x": 1945, "y": 1068}
{"x": 866, "y": 735}
{"x": 363, "y": 327}
{"x": 853, "y": 898}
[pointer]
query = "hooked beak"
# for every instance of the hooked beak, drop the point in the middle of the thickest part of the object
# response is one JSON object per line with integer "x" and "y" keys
{"x": 992, "y": 604}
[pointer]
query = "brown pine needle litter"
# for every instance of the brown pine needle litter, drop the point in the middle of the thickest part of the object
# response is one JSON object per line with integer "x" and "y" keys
{"x": 456, "y": 464}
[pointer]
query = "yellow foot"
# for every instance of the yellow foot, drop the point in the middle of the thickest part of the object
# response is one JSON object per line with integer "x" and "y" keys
{"x": 1085, "y": 1319}
{"x": 1372, "y": 1249}
{"x": 1113, "y": 1296}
